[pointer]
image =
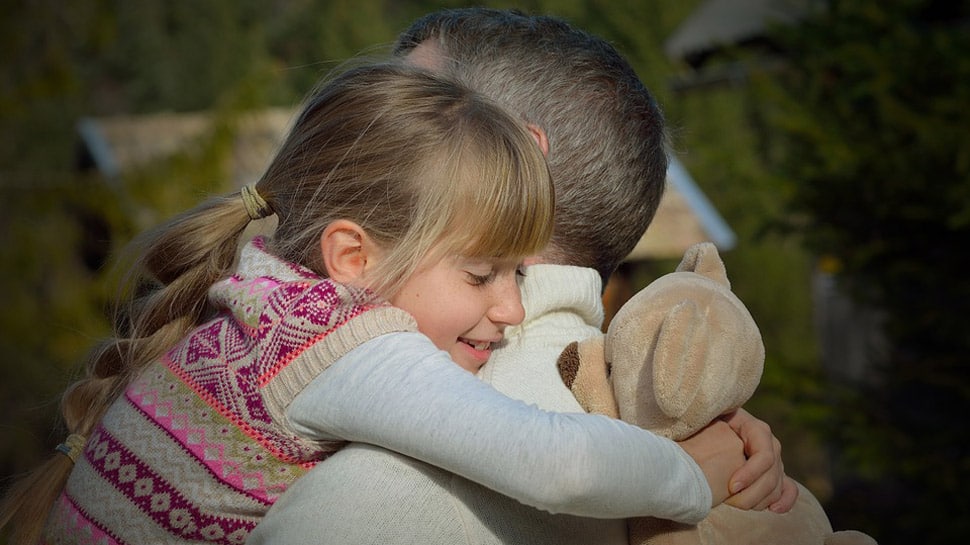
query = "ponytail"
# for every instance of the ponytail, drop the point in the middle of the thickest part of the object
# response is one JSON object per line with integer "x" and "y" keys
{"x": 164, "y": 296}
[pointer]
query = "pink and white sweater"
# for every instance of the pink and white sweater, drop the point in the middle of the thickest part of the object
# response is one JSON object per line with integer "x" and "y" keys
{"x": 198, "y": 447}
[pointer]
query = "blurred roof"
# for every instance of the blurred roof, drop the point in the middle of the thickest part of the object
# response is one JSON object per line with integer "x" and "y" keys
{"x": 685, "y": 217}
{"x": 719, "y": 23}
{"x": 113, "y": 145}
{"x": 117, "y": 144}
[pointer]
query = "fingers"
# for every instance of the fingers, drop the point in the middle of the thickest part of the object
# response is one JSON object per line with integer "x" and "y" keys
{"x": 761, "y": 481}
{"x": 789, "y": 496}
{"x": 755, "y": 433}
{"x": 765, "y": 491}
{"x": 762, "y": 449}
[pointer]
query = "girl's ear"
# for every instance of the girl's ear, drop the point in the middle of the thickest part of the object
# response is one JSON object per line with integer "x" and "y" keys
{"x": 347, "y": 252}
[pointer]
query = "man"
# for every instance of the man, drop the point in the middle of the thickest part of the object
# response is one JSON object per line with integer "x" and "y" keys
{"x": 604, "y": 138}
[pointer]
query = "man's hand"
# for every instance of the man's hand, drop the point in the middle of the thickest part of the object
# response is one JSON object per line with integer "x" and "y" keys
{"x": 761, "y": 482}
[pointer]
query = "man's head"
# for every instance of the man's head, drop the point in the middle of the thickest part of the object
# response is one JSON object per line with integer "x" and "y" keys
{"x": 605, "y": 132}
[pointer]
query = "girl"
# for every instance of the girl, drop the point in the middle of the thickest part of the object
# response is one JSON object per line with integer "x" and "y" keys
{"x": 404, "y": 203}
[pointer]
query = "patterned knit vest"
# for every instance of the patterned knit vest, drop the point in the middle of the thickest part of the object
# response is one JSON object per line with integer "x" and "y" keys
{"x": 197, "y": 448}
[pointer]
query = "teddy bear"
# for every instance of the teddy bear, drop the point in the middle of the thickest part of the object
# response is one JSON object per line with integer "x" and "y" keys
{"x": 680, "y": 353}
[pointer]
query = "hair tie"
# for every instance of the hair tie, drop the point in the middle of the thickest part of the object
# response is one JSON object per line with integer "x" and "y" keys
{"x": 256, "y": 207}
{"x": 72, "y": 446}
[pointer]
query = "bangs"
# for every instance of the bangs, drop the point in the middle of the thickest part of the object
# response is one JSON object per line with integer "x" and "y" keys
{"x": 504, "y": 206}
{"x": 485, "y": 192}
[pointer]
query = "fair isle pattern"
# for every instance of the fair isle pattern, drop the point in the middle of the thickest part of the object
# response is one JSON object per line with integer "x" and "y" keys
{"x": 124, "y": 459}
{"x": 219, "y": 443}
{"x": 160, "y": 499}
{"x": 278, "y": 308}
{"x": 228, "y": 365}
{"x": 67, "y": 520}
{"x": 191, "y": 446}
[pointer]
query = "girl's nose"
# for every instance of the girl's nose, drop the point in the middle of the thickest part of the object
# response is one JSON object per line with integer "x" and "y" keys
{"x": 506, "y": 305}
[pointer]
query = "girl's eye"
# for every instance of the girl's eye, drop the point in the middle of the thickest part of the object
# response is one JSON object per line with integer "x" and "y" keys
{"x": 520, "y": 271}
{"x": 479, "y": 280}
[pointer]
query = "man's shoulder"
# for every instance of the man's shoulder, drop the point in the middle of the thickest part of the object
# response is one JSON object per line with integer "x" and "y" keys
{"x": 406, "y": 501}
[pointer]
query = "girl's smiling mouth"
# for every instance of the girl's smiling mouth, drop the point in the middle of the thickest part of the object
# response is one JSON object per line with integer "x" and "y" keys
{"x": 481, "y": 346}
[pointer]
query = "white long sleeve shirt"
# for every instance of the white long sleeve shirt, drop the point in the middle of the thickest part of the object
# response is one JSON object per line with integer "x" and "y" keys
{"x": 401, "y": 394}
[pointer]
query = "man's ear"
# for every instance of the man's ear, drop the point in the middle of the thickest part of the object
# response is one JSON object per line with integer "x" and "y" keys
{"x": 347, "y": 251}
{"x": 540, "y": 137}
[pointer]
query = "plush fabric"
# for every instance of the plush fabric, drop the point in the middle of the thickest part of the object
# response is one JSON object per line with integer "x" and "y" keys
{"x": 198, "y": 447}
{"x": 681, "y": 352}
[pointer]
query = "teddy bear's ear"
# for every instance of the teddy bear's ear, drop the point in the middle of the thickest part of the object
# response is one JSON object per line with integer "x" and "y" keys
{"x": 702, "y": 258}
{"x": 680, "y": 358}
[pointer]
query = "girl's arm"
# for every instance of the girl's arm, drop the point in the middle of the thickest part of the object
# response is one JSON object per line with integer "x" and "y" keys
{"x": 400, "y": 392}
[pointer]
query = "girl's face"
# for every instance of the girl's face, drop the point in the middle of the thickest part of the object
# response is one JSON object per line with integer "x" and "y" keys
{"x": 463, "y": 305}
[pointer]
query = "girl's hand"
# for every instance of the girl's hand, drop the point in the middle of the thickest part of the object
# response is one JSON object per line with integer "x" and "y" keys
{"x": 761, "y": 482}
{"x": 719, "y": 451}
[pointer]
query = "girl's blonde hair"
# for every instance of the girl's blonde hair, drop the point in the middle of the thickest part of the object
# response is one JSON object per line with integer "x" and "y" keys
{"x": 419, "y": 163}
{"x": 425, "y": 166}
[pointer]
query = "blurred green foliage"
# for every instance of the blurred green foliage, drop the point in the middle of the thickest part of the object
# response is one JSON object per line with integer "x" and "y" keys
{"x": 870, "y": 121}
